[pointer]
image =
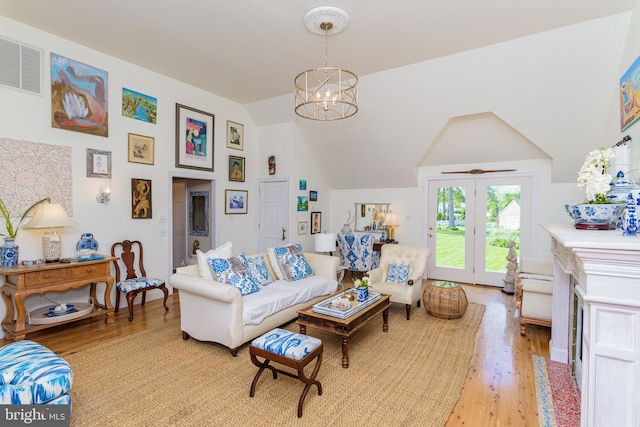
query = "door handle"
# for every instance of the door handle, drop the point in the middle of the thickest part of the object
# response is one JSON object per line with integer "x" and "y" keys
{"x": 430, "y": 234}
{"x": 283, "y": 231}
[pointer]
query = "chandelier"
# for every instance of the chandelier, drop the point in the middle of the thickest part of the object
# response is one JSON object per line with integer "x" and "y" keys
{"x": 326, "y": 93}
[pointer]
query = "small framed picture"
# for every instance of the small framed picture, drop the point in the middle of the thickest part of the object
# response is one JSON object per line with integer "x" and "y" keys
{"x": 236, "y": 168}
{"x": 302, "y": 184}
{"x": 313, "y": 196}
{"x": 235, "y": 135}
{"x": 141, "y": 149}
{"x": 302, "y": 203}
{"x": 141, "y": 198}
{"x": 316, "y": 222}
{"x": 235, "y": 201}
{"x": 98, "y": 164}
{"x": 303, "y": 227}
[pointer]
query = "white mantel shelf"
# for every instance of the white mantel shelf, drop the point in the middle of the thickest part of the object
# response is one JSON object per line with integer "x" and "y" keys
{"x": 603, "y": 269}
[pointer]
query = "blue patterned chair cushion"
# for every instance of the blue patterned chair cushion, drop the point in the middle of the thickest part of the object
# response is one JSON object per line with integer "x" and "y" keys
{"x": 234, "y": 272}
{"x": 287, "y": 343}
{"x": 33, "y": 374}
{"x": 138, "y": 283}
{"x": 356, "y": 251}
{"x": 398, "y": 273}
{"x": 257, "y": 269}
{"x": 293, "y": 263}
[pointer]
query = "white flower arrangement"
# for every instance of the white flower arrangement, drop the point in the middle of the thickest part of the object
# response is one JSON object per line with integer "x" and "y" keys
{"x": 593, "y": 175}
{"x": 362, "y": 283}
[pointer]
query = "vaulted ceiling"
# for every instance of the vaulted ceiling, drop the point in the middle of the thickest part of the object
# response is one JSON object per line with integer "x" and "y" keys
{"x": 249, "y": 51}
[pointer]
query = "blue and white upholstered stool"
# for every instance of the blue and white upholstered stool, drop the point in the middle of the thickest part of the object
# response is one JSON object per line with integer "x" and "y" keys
{"x": 31, "y": 374}
{"x": 290, "y": 349}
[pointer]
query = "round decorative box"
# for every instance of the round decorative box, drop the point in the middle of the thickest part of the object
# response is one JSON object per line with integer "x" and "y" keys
{"x": 445, "y": 300}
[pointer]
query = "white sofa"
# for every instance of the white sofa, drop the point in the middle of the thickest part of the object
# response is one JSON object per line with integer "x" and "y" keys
{"x": 214, "y": 311}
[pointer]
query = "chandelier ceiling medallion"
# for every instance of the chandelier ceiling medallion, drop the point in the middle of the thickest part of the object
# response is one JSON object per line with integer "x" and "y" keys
{"x": 326, "y": 93}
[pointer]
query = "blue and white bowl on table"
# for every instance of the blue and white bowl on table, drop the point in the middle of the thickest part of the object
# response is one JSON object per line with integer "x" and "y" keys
{"x": 595, "y": 215}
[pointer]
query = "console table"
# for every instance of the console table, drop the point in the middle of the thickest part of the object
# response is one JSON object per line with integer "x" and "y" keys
{"x": 21, "y": 282}
{"x": 596, "y": 320}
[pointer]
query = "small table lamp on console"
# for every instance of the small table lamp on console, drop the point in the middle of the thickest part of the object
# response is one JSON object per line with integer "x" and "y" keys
{"x": 390, "y": 221}
{"x": 325, "y": 242}
{"x": 50, "y": 215}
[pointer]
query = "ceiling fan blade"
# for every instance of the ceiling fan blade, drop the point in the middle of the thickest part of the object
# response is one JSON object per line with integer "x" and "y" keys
{"x": 481, "y": 171}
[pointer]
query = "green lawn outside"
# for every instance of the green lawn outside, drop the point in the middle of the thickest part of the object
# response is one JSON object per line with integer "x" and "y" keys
{"x": 450, "y": 249}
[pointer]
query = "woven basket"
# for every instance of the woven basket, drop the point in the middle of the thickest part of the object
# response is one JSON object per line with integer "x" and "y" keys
{"x": 445, "y": 300}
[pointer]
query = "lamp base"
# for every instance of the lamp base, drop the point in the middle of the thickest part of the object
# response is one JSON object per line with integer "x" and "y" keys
{"x": 51, "y": 246}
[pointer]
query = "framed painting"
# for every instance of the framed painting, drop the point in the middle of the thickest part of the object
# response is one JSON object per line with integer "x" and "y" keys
{"x": 302, "y": 184}
{"x": 141, "y": 149}
{"x": 141, "y": 198}
{"x": 303, "y": 227}
{"x": 235, "y": 201}
{"x": 79, "y": 100}
{"x": 98, "y": 164}
{"x": 630, "y": 95}
{"x": 316, "y": 222}
{"x": 302, "y": 203}
{"x": 236, "y": 168}
{"x": 235, "y": 135}
{"x": 139, "y": 106}
{"x": 313, "y": 196}
{"x": 194, "y": 138}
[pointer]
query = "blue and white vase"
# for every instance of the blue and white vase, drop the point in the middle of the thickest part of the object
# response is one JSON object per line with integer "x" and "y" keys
{"x": 363, "y": 293}
{"x": 630, "y": 218}
{"x": 9, "y": 253}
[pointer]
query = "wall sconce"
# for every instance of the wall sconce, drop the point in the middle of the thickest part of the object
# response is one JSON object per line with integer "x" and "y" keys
{"x": 104, "y": 194}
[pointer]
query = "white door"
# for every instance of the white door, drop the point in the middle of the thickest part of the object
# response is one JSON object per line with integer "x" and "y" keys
{"x": 472, "y": 221}
{"x": 274, "y": 214}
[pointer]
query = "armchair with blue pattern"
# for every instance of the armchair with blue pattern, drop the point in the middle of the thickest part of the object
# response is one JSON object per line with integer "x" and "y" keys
{"x": 356, "y": 251}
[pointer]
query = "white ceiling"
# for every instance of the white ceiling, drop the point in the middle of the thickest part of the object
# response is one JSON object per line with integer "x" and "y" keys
{"x": 249, "y": 51}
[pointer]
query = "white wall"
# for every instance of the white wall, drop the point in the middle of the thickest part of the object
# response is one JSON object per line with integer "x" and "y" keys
{"x": 25, "y": 116}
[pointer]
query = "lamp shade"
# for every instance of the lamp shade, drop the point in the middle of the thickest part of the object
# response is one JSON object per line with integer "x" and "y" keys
{"x": 391, "y": 219}
{"x": 325, "y": 242}
{"x": 49, "y": 215}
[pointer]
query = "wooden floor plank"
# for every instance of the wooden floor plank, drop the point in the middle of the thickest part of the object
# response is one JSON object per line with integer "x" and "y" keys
{"x": 499, "y": 390}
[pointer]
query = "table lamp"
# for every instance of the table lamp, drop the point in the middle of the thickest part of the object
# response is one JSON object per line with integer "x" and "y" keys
{"x": 325, "y": 242}
{"x": 390, "y": 221}
{"x": 50, "y": 215}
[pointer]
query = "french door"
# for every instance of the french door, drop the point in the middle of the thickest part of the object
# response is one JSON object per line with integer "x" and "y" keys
{"x": 470, "y": 224}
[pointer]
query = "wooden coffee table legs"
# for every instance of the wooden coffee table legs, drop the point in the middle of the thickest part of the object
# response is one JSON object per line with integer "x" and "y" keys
{"x": 346, "y": 333}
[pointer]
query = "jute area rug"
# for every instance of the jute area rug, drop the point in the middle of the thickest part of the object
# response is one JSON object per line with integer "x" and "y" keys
{"x": 411, "y": 375}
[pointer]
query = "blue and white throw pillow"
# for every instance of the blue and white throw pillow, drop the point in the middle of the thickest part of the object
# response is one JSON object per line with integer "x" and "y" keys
{"x": 234, "y": 272}
{"x": 398, "y": 273}
{"x": 294, "y": 264}
{"x": 257, "y": 269}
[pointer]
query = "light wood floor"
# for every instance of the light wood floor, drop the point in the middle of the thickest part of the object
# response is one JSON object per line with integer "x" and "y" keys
{"x": 499, "y": 390}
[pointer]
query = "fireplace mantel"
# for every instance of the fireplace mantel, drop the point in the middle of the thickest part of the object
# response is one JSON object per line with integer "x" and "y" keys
{"x": 605, "y": 267}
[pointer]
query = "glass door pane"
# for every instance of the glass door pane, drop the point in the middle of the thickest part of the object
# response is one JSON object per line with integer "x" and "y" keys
{"x": 502, "y": 225}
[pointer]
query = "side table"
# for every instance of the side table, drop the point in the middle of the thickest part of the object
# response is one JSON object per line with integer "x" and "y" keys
{"x": 445, "y": 300}
{"x": 22, "y": 282}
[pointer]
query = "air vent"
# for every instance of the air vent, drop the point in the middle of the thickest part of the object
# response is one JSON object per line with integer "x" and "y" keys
{"x": 20, "y": 66}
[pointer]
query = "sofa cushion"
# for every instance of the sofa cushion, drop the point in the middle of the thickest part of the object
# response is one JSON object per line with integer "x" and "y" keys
{"x": 223, "y": 251}
{"x": 398, "y": 273}
{"x": 257, "y": 269}
{"x": 281, "y": 294}
{"x": 234, "y": 272}
{"x": 292, "y": 262}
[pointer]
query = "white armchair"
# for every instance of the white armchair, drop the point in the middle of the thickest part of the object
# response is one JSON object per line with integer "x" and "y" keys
{"x": 409, "y": 288}
{"x": 534, "y": 292}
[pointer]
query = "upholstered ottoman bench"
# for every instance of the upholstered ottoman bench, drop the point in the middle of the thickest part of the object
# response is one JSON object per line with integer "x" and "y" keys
{"x": 31, "y": 374}
{"x": 289, "y": 349}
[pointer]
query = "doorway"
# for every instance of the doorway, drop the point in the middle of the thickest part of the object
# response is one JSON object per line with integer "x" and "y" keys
{"x": 470, "y": 223}
{"x": 192, "y": 218}
{"x": 273, "y": 215}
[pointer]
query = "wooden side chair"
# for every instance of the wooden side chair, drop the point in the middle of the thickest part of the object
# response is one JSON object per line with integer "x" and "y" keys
{"x": 132, "y": 284}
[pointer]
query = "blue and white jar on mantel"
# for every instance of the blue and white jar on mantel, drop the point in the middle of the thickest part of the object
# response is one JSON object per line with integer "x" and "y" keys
{"x": 9, "y": 253}
{"x": 630, "y": 217}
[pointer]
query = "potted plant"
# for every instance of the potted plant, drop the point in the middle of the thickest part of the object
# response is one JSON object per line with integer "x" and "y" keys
{"x": 362, "y": 286}
{"x": 9, "y": 252}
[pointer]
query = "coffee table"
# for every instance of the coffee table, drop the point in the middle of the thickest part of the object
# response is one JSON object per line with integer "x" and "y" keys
{"x": 344, "y": 327}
